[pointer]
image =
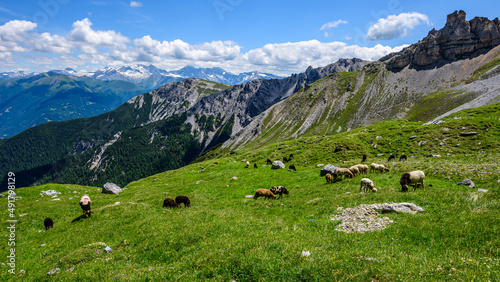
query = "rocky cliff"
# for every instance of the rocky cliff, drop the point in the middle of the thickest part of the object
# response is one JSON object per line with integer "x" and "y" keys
{"x": 458, "y": 39}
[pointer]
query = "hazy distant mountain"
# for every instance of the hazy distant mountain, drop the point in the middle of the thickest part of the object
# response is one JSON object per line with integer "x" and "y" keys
{"x": 151, "y": 77}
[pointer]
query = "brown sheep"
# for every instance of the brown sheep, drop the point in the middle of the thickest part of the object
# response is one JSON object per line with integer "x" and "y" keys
{"x": 49, "y": 223}
{"x": 345, "y": 172}
{"x": 292, "y": 167}
{"x": 85, "y": 205}
{"x": 170, "y": 203}
{"x": 328, "y": 178}
{"x": 264, "y": 193}
{"x": 183, "y": 200}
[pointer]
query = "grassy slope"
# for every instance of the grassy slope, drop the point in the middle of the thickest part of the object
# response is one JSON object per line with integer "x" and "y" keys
{"x": 225, "y": 236}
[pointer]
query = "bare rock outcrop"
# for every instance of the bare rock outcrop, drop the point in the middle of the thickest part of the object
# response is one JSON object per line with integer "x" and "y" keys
{"x": 458, "y": 39}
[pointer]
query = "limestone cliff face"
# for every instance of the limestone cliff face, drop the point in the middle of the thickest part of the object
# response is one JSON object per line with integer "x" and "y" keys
{"x": 458, "y": 39}
{"x": 245, "y": 101}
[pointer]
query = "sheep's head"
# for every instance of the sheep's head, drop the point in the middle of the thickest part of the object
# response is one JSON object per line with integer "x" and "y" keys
{"x": 386, "y": 169}
{"x": 284, "y": 191}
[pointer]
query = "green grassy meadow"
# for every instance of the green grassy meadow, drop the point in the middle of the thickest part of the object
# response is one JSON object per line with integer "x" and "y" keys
{"x": 225, "y": 236}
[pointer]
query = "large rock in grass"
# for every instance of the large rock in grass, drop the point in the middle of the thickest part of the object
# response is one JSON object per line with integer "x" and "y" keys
{"x": 111, "y": 188}
{"x": 467, "y": 182}
{"x": 328, "y": 169}
{"x": 278, "y": 165}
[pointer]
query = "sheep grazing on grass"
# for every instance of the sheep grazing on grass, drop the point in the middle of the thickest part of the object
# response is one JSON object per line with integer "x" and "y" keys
{"x": 402, "y": 158}
{"x": 290, "y": 157}
{"x": 362, "y": 168}
{"x": 49, "y": 223}
{"x": 279, "y": 190}
{"x": 248, "y": 164}
{"x": 170, "y": 203}
{"x": 264, "y": 193}
{"x": 379, "y": 167}
{"x": 255, "y": 165}
{"x": 415, "y": 177}
{"x": 292, "y": 167}
{"x": 268, "y": 161}
{"x": 328, "y": 178}
{"x": 354, "y": 170}
{"x": 182, "y": 200}
{"x": 366, "y": 184}
{"x": 364, "y": 159}
{"x": 391, "y": 157}
{"x": 85, "y": 204}
{"x": 285, "y": 160}
{"x": 345, "y": 172}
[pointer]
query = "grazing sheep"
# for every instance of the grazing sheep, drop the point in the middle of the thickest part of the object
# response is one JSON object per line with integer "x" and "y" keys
{"x": 354, "y": 170}
{"x": 403, "y": 157}
{"x": 366, "y": 184}
{"x": 49, "y": 223}
{"x": 264, "y": 193}
{"x": 415, "y": 177}
{"x": 248, "y": 164}
{"x": 290, "y": 157}
{"x": 279, "y": 190}
{"x": 379, "y": 167}
{"x": 391, "y": 157}
{"x": 364, "y": 159}
{"x": 328, "y": 178}
{"x": 268, "y": 161}
{"x": 285, "y": 160}
{"x": 362, "y": 168}
{"x": 85, "y": 204}
{"x": 292, "y": 167}
{"x": 170, "y": 203}
{"x": 255, "y": 165}
{"x": 345, "y": 172}
{"x": 216, "y": 163}
{"x": 182, "y": 200}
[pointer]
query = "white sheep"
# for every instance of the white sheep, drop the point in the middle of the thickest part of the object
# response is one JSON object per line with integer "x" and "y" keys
{"x": 414, "y": 177}
{"x": 366, "y": 184}
{"x": 362, "y": 168}
{"x": 379, "y": 167}
{"x": 354, "y": 170}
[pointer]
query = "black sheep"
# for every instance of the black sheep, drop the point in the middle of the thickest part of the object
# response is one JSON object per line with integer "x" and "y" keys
{"x": 403, "y": 157}
{"x": 364, "y": 159}
{"x": 49, "y": 223}
{"x": 391, "y": 157}
{"x": 279, "y": 190}
{"x": 85, "y": 205}
{"x": 170, "y": 203}
{"x": 182, "y": 200}
{"x": 292, "y": 167}
{"x": 268, "y": 161}
{"x": 255, "y": 165}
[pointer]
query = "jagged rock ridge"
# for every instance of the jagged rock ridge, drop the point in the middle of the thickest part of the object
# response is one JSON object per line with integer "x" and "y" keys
{"x": 458, "y": 39}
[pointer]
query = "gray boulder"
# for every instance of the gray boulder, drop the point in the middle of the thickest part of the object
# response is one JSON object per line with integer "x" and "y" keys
{"x": 467, "y": 182}
{"x": 328, "y": 169}
{"x": 111, "y": 188}
{"x": 278, "y": 165}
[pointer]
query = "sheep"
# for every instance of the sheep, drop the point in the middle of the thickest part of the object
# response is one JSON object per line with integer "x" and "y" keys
{"x": 290, "y": 157}
{"x": 364, "y": 158}
{"x": 279, "y": 190}
{"x": 268, "y": 161}
{"x": 285, "y": 160}
{"x": 292, "y": 167}
{"x": 362, "y": 168}
{"x": 255, "y": 165}
{"x": 183, "y": 200}
{"x": 414, "y": 177}
{"x": 402, "y": 158}
{"x": 345, "y": 172}
{"x": 379, "y": 167}
{"x": 328, "y": 178}
{"x": 85, "y": 204}
{"x": 354, "y": 170}
{"x": 49, "y": 223}
{"x": 247, "y": 164}
{"x": 366, "y": 184}
{"x": 264, "y": 193}
{"x": 391, "y": 157}
{"x": 170, "y": 203}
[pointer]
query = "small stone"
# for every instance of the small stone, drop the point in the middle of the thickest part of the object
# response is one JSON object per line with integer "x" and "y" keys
{"x": 467, "y": 182}
{"x": 482, "y": 190}
{"x": 465, "y": 134}
{"x": 413, "y": 137}
{"x": 234, "y": 178}
{"x": 54, "y": 271}
{"x": 108, "y": 249}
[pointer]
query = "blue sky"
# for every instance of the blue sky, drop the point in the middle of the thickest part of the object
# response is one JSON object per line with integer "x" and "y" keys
{"x": 280, "y": 37}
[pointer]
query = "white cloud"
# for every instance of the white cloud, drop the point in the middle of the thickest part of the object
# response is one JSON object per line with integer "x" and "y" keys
{"x": 395, "y": 26}
{"x": 135, "y": 4}
{"x": 327, "y": 34}
{"x": 332, "y": 24}
{"x": 89, "y": 38}
{"x": 15, "y": 30}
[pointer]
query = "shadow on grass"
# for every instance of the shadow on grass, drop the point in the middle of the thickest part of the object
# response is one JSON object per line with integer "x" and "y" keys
{"x": 79, "y": 218}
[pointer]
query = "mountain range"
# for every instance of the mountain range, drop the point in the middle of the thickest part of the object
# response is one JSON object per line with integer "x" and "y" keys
{"x": 452, "y": 68}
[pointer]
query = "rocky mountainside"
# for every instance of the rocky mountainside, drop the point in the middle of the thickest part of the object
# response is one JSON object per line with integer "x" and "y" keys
{"x": 458, "y": 39}
{"x": 464, "y": 73}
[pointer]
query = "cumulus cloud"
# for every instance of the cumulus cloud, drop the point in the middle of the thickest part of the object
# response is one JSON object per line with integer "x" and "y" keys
{"x": 332, "y": 24}
{"x": 395, "y": 26}
{"x": 135, "y": 4}
{"x": 84, "y": 34}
